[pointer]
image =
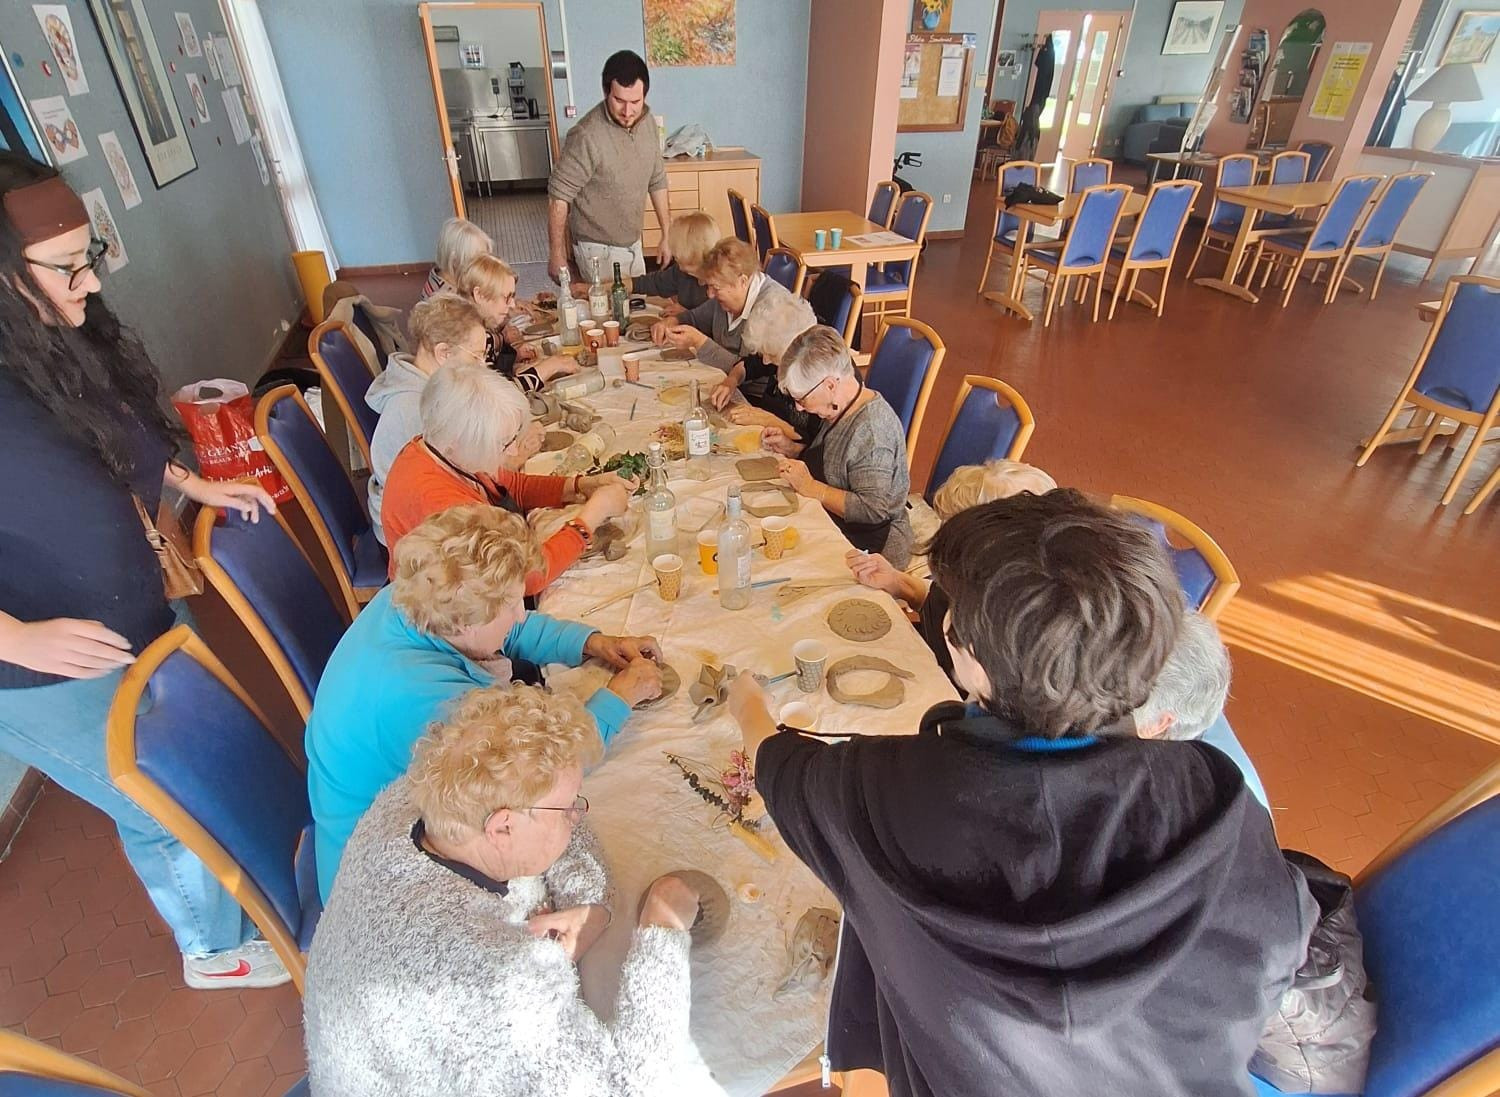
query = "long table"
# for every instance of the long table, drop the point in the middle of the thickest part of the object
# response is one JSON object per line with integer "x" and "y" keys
{"x": 647, "y": 818}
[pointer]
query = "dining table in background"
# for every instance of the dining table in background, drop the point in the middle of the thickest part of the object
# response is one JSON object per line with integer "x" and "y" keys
{"x": 1281, "y": 198}
{"x": 795, "y": 231}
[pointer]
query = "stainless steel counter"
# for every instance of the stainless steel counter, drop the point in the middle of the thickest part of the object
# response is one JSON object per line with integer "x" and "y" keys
{"x": 502, "y": 150}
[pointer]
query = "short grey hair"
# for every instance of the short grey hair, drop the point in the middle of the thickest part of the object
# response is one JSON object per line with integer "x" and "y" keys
{"x": 814, "y": 356}
{"x": 460, "y": 242}
{"x": 471, "y": 415}
{"x": 774, "y": 321}
{"x": 1193, "y": 684}
{"x": 969, "y": 485}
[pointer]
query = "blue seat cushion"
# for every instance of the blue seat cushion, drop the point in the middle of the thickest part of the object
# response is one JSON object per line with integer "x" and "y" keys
{"x": 305, "y": 866}
{"x": 1264, "y": 1088}
{"x": 882, "y": 281}
{"x": 19, "y": 1084}
{"x": 371, "y": 562}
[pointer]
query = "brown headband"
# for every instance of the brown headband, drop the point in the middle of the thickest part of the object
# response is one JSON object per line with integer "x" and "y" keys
{"x": 40, "y": 211}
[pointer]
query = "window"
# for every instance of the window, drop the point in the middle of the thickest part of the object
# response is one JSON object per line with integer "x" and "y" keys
{"x": 17, "y": 130}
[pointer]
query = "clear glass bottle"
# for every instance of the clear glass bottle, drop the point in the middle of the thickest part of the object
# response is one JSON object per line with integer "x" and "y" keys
{"x": 619, "y": 300}
{"x": 585, "y": 382}
{"x": 697, "y": 437}
{"x": 598, "y": 296}
{"x": 567, "y": 312}
{"x": 734, "y": 554}
{"x": 661, "y": 506}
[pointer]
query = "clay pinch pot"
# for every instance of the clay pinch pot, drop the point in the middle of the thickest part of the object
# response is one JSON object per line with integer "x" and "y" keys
{"x": 555, "y": 440}
{"x": 671, "y": 682}
{"x": 713, "y": 906}
{"x": 810, "y": 952}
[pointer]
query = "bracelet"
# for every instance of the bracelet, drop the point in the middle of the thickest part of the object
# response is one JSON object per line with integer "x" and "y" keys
{"x": 573, "y": 486}
{"x": 581, "y": 529}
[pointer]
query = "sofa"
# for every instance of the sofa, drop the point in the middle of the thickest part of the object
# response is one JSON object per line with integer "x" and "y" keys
{"x": 1158, "y": 126}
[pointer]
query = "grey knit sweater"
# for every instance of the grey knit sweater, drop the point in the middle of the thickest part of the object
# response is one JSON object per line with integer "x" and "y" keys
{"x": 605, "y": 174}
{"x": 865, "y": 454}
{"x": 422, "y": 984}
{"x": 722, "y": 350}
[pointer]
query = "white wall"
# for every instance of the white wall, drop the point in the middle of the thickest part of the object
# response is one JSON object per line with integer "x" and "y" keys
{"x": 1488, "y": 73}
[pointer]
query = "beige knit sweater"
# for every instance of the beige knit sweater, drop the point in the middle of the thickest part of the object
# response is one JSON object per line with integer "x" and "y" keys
{"x": 605, "y": 174}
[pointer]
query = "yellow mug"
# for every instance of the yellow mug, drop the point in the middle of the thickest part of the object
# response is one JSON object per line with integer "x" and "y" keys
{"x": 708, "y": 551}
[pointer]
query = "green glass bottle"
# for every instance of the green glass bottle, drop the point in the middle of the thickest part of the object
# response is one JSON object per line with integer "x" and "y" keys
{"x": 619, "y": 299}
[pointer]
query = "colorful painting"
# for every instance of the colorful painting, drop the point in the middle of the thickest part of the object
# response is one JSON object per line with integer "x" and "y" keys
{"x": 1472, "y": 39}
{"x": 688, "y": 33}
{"x": 931, "y": 15}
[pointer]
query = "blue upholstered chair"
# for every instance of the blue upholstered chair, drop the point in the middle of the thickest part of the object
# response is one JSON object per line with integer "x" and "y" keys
{"x": 1456, "y": 376}
{"x": 1093, "y": 172}
{"x": 1377, "y": 235}
{"x": 1225, "y": 217}
{"x": 836, "y": 302}
{"x": 1008, "y": 224}
{"x": 1318, "y": 155}
{"x": 30, "y": 1068}
{"x": 1084, "y": 251}
{"x": 1208, "y": 579}
{"x": 883, "y": 203}
{"x": 189, "y": 746}
{"x": 903, "y": 368}
{"x": 785, "y": 266}
{"x": 765, "y": 230}
{"x": 989, "y": 420}
{"x": 366, "y": 326}
{"x": 265, "y": 578}
{"x": 739, "y": 213}
{"x": 1153, "y": 243}
{"x": 333, "y": 508}
{"x": 1327, "y": 240}
{"x": 1292, "y": 166}
{"x": 347, "y": 377}
{"x": 888, "y": 290}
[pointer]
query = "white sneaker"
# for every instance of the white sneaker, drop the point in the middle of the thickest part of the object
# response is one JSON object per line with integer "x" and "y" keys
{"x": 253, "y": 964}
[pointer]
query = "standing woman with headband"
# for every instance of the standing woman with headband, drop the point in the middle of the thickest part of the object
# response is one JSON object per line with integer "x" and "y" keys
{"x": 86, "y": 437}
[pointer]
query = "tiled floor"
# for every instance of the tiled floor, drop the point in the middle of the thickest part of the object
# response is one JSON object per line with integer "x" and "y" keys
{"x": 1366, "y": 639}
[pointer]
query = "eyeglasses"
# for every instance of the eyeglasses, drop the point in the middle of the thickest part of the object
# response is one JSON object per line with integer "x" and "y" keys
{"x": 93, "y": 260}
{"x": 798, "y": 400}
{"x": 475, "y": 357}
{"x": 575, "y": 811}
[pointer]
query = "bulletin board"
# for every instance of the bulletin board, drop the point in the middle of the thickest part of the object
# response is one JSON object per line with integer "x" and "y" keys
{"x": 935, "y": 75}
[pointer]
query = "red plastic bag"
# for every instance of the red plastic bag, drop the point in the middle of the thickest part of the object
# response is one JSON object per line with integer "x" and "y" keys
{"x": 220, "y": 419}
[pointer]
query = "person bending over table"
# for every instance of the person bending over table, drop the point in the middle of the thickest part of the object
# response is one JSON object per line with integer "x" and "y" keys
{"x": 1086, "y": 911}
{"x": 491, "y": 284}
{"x": 768, "y": 332}
{"x": 736, "y": 288}
{"x": 476, "y": 432}
{"x": 451, "y": 621}
{"x": 460, "y": 242}
{"x": 444, "y": 960}
{"x": 855, "y": 465}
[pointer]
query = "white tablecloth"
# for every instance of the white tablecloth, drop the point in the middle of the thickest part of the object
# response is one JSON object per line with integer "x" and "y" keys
{"x": 647, "y": 818}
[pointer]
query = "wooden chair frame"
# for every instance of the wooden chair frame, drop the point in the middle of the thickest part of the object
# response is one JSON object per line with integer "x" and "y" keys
{"x": 1298, "y": 257}
{"x": 27, "y": 1056}
{"x": 1003, "y": 392}
{"x": 156, "y": 802}
{"x": 1133, "y": 267}
{"x": 989, "y": 254}
{"x": 738, "y": 199}
{"x": 888, "y": 184}
{"x": 1212, "y": 238}
{"x": 1109, "y": 169}
{"x": 924, "y": 394}
{"x": 1432, "y": 412}
{"x": 800, "y": 283}
{"x": 1057, "y": 280}
{"x": 1381, "y": 254}
{"x": 1227, "y": 578}
{"x": 352, "y": 597}
{"x": 1484, "y": 492}
{"x": 331, "y": 385}
{"x": 899, "y": 304}
{"x": 775, "y": 241}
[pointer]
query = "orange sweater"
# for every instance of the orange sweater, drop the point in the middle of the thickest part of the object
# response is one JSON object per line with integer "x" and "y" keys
{"x": 419, "y": 486}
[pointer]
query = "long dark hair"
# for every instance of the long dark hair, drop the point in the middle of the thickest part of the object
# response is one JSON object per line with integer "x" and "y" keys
{"x": 93, "y": 379}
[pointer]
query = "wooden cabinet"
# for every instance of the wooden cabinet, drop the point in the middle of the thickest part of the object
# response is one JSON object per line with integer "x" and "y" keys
{"x": 703, "y": 183}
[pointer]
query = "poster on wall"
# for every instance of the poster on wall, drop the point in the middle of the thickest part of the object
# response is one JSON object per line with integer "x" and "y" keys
{"x": 211, "y": 55}
{"x": 198, "y": 92}
{"x": 229, "y": 64}
{"x": 911, "y": 69}
{"x": 59, "y": 130}
{"x": 190, "y": 44}
{"x": 1335, "y": 95}
{"x": 688, "y": 33}
{"x": 119, "y": 167}
{"x": 57, "y": 29}
{"x": 1192, "y": 27}
{"x": 105, "y": 228}
{"x": 1473, "y": 37}
{"x": 130, "y": 45}
{"x": 237, "y": 120}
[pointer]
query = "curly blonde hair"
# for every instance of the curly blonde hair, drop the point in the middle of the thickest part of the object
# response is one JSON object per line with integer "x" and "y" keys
{"x": 970, "y": 485}
{"x": 499, "y": 747}
{"x": 460, "y": 567}
{"x": 691, "y": 236}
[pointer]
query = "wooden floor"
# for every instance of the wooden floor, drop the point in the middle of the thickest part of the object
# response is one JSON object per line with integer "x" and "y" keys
{"x": 1366, "y": 639}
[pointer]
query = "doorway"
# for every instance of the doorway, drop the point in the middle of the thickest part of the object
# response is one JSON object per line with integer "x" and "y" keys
{"x": 1086, "y": 46}
{"x": 492, "y": 87}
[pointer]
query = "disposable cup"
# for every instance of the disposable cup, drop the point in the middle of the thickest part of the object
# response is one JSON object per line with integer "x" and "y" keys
{"x": 611, "y": 333}
{"x": 836, "y": 237}
{"x": 798, "y": 714}
{"x": 811, "y": 656}
{"x": 820, "y": 238}
{"x": 668, "y": 568}
{"x": 708, "y": 551}
{"x": 632, "y": 364}
{"x": 774, "y": 528}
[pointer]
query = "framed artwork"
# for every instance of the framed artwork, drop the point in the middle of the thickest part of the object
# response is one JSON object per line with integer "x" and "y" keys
{"x": 1473, "y": 37}
{"x": 689, "y": 33}
{"x": 1192, "y": 26}
{"x": 130, "y": 46}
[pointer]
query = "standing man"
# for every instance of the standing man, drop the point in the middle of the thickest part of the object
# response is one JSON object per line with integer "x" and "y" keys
{"x": 609, "y": 162}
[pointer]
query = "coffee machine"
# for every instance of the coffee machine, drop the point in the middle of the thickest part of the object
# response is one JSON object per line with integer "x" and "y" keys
{"x": 516, "y": 81}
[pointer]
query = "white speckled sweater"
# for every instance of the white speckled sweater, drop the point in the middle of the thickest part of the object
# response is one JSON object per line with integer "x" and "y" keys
{"x": 422, "y": 984}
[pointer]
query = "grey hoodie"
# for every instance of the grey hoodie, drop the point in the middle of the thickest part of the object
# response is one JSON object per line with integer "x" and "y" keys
{"x": 396, "y": 396}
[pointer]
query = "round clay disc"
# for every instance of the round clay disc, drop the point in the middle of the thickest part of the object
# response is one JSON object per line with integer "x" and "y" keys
{"x": 555, "y": 440}
{"x": 676, "y": 396}
{"x": 670, "y": 684}
{"x": 859, "y": 619}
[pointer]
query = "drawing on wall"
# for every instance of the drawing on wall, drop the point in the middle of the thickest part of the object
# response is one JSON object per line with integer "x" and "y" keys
{"x": 931, "y": 15}
{"x": 190, "y": 44}
{"x": 59, "y": 130}
{"x": 119, "y": 167}
{"x": 911, "y": 69}
{"x": 57, "y": 28}
{"x": 1192, "y": 27}
{"x": 130, "y": 45}
{"x": 211, "y": 55}
{"x": 105, "y": 228}
{"x": 238, "y": 122}
{"x": 686, "y": 33}
{"x": 229, "y": 64}
{"x": 1473, "y": 37}
{"x": 199, "y": 94}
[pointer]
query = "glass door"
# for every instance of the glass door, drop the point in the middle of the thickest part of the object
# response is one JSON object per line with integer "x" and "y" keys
{"x": 1101, "y": 37}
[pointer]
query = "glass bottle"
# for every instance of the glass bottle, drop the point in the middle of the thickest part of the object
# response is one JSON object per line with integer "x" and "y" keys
{"x": 734, "y": 554}
{"x": 619, "y": 300}
{"x": 661, "y": 506}
{"x": 567, "y": 313}
{"x": 697, "y": 437}
{"x": 598, "y": 298}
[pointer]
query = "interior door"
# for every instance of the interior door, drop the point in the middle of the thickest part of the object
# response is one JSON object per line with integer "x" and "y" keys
{"x": 1085, "y": 45}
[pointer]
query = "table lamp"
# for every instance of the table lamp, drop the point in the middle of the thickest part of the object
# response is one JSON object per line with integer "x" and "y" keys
{"x": 1450, "y": 84}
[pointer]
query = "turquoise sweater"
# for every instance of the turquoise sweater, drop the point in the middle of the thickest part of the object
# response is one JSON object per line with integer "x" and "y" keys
{"x": 384, "y": 685}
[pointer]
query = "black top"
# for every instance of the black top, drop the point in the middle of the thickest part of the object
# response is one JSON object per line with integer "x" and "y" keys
{"x": 1034, "y": 918}
{"x": 458, "y": 868}
{"x": 71, "y": 542}
{"x": 930, "y": 619}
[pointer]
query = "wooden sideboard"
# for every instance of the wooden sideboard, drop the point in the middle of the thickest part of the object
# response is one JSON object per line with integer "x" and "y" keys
{"x": 1457, "y": 213}
{"x": 703, "y": 183}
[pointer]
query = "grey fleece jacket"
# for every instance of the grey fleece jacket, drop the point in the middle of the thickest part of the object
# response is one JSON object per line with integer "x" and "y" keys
{"x": 396, "y": 396}
{"x": 420, "y": 983}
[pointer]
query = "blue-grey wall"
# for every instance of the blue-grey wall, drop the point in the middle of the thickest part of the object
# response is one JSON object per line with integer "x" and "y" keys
{"x": 209, "y": 280}
{"x": 357, "y": 84}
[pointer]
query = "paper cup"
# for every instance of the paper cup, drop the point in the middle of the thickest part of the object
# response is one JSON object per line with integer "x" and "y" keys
{"x": 820, "y": 238}
{"x": 611, "y": 333}
{"x": 799, "y": 715}
{"x": 836, "y": 237}
{"x": 668, "y": 569}
{"x": 811, "y": 657}
{"x": 774, "y": 528}
{"x": 708, "y": 551}
{"x": 632, "y": 364}
{"x": 594, "y": 339}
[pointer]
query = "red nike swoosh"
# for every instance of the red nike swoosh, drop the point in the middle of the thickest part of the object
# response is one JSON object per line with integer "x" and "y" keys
{"x": 240, "y": 970}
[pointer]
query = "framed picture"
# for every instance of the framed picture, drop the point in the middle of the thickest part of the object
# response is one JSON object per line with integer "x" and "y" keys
{"x": 1473, "y": 37}
{"x": 1193, "y": 27}
{"x": 131, "y": 47}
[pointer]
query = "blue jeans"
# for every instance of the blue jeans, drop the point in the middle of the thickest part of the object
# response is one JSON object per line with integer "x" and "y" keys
{"x": 59, "y": 729}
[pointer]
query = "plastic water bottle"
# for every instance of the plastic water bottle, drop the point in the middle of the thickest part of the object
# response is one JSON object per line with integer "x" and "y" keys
{"x": 661, "y": 507}
{"x": 567, "y": 313}
{"x": 734, "y": 555}
{"x": 697, "y": 437}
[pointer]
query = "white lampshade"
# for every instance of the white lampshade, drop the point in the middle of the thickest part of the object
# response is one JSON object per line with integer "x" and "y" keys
{"x": 1450, "y": 84}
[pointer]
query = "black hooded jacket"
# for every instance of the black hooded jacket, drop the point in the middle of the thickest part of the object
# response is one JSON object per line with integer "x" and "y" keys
{"x": 1026, "y": 917}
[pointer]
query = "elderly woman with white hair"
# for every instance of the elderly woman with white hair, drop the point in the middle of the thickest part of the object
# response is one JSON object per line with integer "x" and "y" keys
{"x": 737, "y": 288}
{"x": 460, "y": 242}
{"x": 476, "y": 432}
{"x": 444, "y": 960}
{"x": 855, "y": 464}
